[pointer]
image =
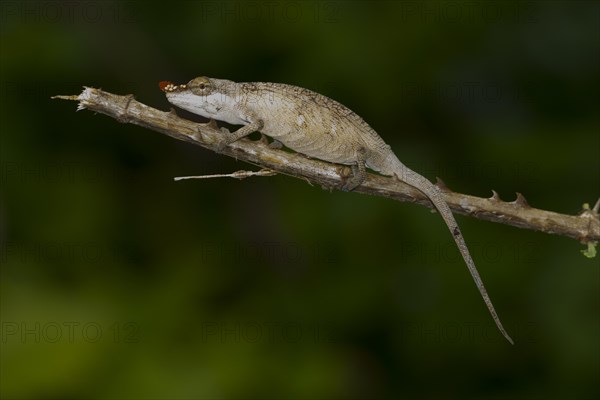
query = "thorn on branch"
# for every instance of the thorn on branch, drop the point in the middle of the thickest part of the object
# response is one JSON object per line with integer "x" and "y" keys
{"x": 212, "y": 124}
{"x": 495, "y": 196}
{"x": 596, "y": 207}
{"x": 441, "y": 185}
{"x": 521, "y": 201}
{"x": 263, "y": 139}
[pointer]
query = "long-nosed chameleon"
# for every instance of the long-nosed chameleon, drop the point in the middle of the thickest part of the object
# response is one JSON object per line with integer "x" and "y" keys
{"x": 314, "y": 125}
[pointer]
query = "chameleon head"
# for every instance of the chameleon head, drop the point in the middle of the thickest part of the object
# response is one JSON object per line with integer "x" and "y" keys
{"x": 208, "y": 97}
{"x": 200, "y": 86}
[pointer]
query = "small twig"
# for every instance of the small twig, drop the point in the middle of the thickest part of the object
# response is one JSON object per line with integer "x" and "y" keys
{"x": 237, "y": 175}
{"x": 63, "y": 97}
{"x": 584, "y": 227}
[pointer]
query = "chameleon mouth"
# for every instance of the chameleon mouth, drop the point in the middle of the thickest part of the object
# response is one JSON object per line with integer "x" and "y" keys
{"x": 169, "y": 87}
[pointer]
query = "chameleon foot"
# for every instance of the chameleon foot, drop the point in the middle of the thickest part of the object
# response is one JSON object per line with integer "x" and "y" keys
{"x": 359, "y": 172}
{"x": 352, "y": 183}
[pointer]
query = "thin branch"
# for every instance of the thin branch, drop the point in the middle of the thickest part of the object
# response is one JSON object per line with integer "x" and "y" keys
{"x": 584, "y": 227}
{"x": 236, "y": 175}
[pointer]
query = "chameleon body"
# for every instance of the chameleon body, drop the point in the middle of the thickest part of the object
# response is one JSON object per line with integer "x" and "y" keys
{"x": 317, "y": 126}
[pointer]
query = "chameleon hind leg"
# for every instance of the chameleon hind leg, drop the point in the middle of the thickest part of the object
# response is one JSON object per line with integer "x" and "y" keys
{"x": 359, "y": 171}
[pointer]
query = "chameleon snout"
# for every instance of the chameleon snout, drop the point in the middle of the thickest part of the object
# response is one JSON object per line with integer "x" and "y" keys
{"x": 169, "y": 87}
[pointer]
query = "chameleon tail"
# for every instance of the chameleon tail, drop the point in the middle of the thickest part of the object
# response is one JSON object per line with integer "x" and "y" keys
{"x": 433, "y": 193}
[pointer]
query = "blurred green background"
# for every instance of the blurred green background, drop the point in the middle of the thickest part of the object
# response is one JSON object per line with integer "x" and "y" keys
{"x": 117, "y": 282}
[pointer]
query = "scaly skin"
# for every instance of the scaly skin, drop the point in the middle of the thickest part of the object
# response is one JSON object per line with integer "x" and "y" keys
{"x": 314, "y": 125}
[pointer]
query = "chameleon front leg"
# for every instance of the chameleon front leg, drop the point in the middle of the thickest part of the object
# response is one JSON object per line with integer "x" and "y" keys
{"x": 230, "y": 137}
{"x": 359, "y": 171}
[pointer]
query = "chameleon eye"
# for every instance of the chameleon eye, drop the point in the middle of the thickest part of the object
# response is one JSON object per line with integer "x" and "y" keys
{"x": 199, "y": 85}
